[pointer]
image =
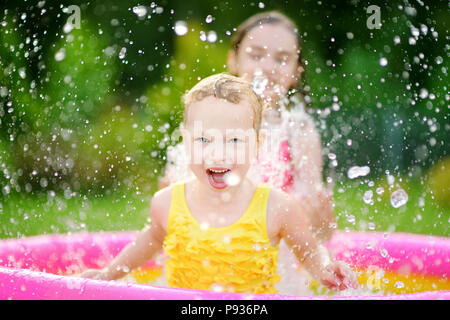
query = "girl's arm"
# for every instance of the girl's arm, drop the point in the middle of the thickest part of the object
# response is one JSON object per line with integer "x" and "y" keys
{"x": 147, "y": 243}
{"x": 306, "y": 155}
{"x": 295, "y": 228}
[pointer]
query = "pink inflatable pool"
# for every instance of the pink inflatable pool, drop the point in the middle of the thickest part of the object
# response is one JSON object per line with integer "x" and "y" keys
{"x": 401, "y": 266}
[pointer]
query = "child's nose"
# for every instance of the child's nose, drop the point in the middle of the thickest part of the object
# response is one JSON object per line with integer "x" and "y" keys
{"x": 268, "y": 66}
{"x": 215, "y": 152}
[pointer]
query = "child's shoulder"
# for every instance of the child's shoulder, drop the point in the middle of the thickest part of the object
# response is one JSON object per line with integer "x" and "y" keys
{"x": 160, "y": 205}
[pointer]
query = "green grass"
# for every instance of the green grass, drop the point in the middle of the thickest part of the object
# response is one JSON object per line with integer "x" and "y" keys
{"x": 25, "y": 215}
{"x": 422, "y": 214}
{"x": 46, "y": 213}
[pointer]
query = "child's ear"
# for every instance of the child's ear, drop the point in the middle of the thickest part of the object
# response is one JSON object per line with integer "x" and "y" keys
{"x": 232, "y": 62}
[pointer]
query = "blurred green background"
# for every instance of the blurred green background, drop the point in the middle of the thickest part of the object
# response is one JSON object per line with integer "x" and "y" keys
{"x": 86, "y": 114}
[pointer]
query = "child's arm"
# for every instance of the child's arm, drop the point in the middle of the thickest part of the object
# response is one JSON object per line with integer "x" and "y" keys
{"x": 320, "y": 210}
{"x": 148, "y": 242}
{"x": 295, "y": 228}
{"x": 306, "y": 153}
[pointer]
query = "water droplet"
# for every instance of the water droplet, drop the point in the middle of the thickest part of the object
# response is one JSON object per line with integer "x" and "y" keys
{"x": 212, "y": 36}
{"x": 424, "y": 29}
{"x": 67, "y": 28}
{"x": 368, "y": 197}
{"x": 202, "y": 36}
{"x": 351, "y": 219}
{"x": 350, "y": 35}
{"x": 357, "y": 171}
{"x": 390, "y": 179}
{"x": 383, "y": 62}
{"x": 22, "y": 73}
{"x": 259, "y": 84}
{"x": 439, "y": 60}
{"x": 410, "y": 11}
{"x": 204, "y": 226}
{"x": 257, "y": 247}
{"x": 226, "y": 196}
{"x": 122, "y": 53}
{"x": 423, "y": 93}
{"x": 226, "y": 239}
{"x": 124, "y": 269}
{"x": 399, "y": 285}
{"x": 60, "y": 55}
{"x": 217, "y": 287}
{"x": 415, "y": 32}
{"x": 140, "y": 11}
{"x": 206, "y": 262}
{"x": 43, "y": 182}
{"x": 209, "y": 18}
{"x": 412, "y": 41}
{"x": 180, "y": 28}
{"x": 231, "y": 178}
{"x": 399, "y": 198}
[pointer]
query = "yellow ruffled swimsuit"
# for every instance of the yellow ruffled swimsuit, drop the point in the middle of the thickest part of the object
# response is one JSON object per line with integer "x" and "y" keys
{"x": 235, "y": 258}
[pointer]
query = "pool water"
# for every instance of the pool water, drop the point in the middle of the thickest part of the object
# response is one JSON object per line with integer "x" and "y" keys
{"x": 298, "y": 282}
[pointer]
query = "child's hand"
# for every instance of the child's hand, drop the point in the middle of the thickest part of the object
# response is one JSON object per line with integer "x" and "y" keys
{"x": 338, "y": 276}
{"x": 98, "y": 274}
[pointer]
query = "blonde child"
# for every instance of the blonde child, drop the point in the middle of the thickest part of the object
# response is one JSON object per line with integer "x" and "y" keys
{"x": 218, "y": 229}
{"x": 265, "y": 50}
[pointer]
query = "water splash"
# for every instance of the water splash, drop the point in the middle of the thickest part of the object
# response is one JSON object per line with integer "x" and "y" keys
{"x": 232, "y": 179}
{"x": 260, "y": 82}
{"x": 399, "y": 198}
{"x": 209, "y": 18}
{"x": 60, "y": 55}
{"x": 122, "y": 53}
{"x": 140, "y": 11}
{"x": 211, "y": 37}
{"x": 357, "y": 171}
{"x": 180, "y": 28}
{"x": 368, "y": 197}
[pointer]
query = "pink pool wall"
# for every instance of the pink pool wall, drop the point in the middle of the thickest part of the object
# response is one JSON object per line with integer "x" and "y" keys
{"x": 33, "y": 268}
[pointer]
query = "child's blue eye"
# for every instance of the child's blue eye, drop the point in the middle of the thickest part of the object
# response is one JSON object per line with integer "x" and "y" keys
{"x": 202, "y": 140}
{"x": 235, "y": 140}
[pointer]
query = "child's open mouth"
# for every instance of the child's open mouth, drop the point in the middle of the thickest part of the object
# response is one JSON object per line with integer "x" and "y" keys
{"x": 217, "y": 177}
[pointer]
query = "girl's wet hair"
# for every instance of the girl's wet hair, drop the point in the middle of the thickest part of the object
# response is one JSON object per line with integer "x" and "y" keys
{"x": 227, "y": 87}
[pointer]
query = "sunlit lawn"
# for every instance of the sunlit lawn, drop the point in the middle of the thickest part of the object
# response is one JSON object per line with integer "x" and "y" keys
{"x": 25, "y": 215}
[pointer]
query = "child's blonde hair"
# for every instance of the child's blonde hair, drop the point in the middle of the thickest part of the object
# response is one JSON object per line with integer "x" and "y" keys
{"x": 228, "y": 87}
